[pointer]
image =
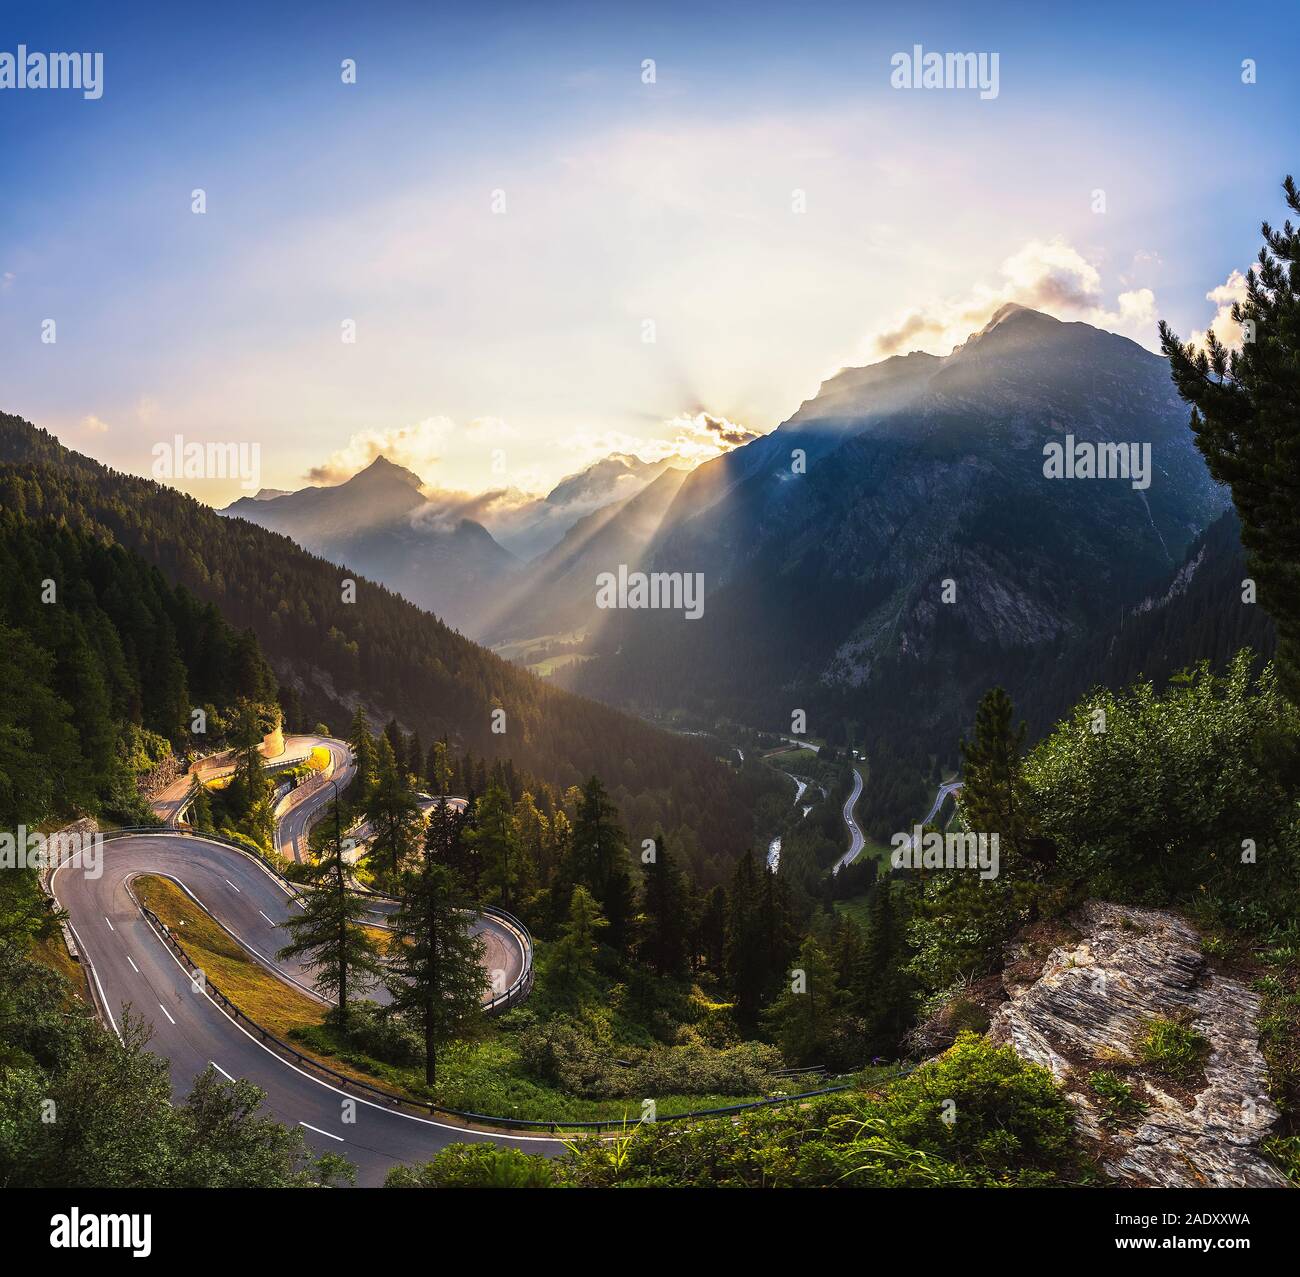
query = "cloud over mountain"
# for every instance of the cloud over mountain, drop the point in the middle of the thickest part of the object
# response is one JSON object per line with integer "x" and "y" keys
{"x": 1051, "y": 276}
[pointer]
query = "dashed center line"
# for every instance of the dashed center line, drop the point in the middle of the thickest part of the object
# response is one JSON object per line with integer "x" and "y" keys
{"x": 165, "y": 1012}
{"x": 110, "y": 925}
{"x": 318, "y": 1131}
{"x": 220, "y": 1070}
{"x": 268, "y": 919}
{"x": 133, "y": 966}
{"x": 231, "y": 884}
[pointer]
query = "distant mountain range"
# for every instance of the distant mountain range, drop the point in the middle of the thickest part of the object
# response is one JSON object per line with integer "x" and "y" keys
{"x": 534, "y": 528}
{"x": 381, "y": 523}
{"x": 330, "y": 654}
{"x": 555, "y": 595}
{"x": 896, "y": 544}
{"x": 877, "y": 560}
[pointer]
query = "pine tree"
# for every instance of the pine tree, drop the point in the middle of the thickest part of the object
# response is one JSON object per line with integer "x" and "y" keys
{"x": 436, "y": 768}
{"x": 847, "y": 950}
{"x": 493, "y": 839}
{"x": 746, "y": 959}
{"x": 532, "y": 837}
{"x": 572, "y": 965}
{"x": 167, "y": 701}
{"x": 992, "y": 793}
{"x": 711, "y": 931}
{"x": 250, "y": 789}
{"x": 882, "y": 990}
{"x": 780, "y": 938}
{"x": 415, "y": 759}
{"x": 598, "y": 860}
{"x": 436, "y": 977}
{"x": 1246, "y": 419}
{"x": 803, "y": 1019}
{"x": 397, "y": 742}
{"x": 200, "y": 805}
{"x": 664, "y": 906}
{"x": 393, "y": 813}
{"x": 363, "y": 750}
{"x": 444, "y": 841}
{"x": 329, "y": 933}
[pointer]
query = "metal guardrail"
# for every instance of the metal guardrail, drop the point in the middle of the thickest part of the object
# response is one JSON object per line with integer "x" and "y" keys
{"x": 501, "y": 1003}
{"x": 523, "y": 985}
{"x": 272, "y": 768}
{"x": 392, "y": 1100}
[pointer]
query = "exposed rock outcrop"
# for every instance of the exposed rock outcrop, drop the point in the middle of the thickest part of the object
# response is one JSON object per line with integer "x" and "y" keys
{"x": 1086, "y": 1006}
{"x": 151, "y": 783}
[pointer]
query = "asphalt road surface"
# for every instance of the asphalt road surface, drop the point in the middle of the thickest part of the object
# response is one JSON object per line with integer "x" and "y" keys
{"x": 131, "y": 966}
{"x": 856, "y": 841}
{"x": 855, "y": 834}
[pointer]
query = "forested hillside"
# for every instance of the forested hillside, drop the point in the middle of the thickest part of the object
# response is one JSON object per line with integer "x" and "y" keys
{"x": 380, "y": 650}
{"x": 104, "y": 662}
{"x": 1200, "y": 614}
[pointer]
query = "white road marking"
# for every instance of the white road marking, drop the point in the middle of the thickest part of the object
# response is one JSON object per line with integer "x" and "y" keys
{"x": 382, "y": 1108}
{"x": 133, "y": 966}
{"x": 220, "y": 1070}
{"x": 103, "y": 997}
{"x": 318, "y": 1131}
{"x": 231, "y": 884}
{"x": 268, "y": 919}
{"x": 110, "y": 925}
{"x": 165, "y": 1012}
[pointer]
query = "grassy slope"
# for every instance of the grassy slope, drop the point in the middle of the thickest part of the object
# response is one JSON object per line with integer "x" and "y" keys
{"x": 479, "y": 1075}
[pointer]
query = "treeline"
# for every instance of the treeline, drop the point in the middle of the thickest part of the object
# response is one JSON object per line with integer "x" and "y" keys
{"x": 382, "y": 650}
{"x": 104, "y": 664}
{"x": 565, "y": 864}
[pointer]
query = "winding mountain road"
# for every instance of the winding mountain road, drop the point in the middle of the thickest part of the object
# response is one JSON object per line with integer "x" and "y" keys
{"x": 130, "y": 965}
{"x": 856, "y": 841}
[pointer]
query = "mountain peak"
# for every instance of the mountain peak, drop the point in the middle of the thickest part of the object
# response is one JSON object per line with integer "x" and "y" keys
{"x": 1014, "y": 311}
{"x": 382, "y": 469}
{"x": 1005, "y": 311}
{"x": 1013, "y": 326}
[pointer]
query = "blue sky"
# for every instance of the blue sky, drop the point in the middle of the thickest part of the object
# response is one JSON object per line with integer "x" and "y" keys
{"x": 506, "y": 349}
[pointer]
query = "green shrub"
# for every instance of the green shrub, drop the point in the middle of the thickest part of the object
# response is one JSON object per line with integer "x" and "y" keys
{"x": 1151, "y": 810}
{"x": 1007, "y": 1116}
{"x": 1174, "y": 1049}
{"x": 1119, "y": 1103}
{"x": 1284, "y": 1150}
{"x": 963, "y": 1014}
{"x": 978, "y": 1115}
{"x": 1279, "y": 1039}
{"x": 586, "y": 1062}
{"x": 372, "y": 1034}
{"x": 476, "y": 1166}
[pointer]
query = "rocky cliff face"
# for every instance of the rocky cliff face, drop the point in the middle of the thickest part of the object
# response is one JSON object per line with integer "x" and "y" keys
{"x": 1082, "y": 1001}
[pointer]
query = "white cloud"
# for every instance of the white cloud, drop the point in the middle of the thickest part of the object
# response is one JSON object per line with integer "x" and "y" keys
{"x": 418, "y": 448}
{"x": 94, "y": 425}
{"x": 1050, "y": 276}
{"x": 1223, "y": 326}
{"x": 491, "y": 428}
{"x": 690, "y": 438}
